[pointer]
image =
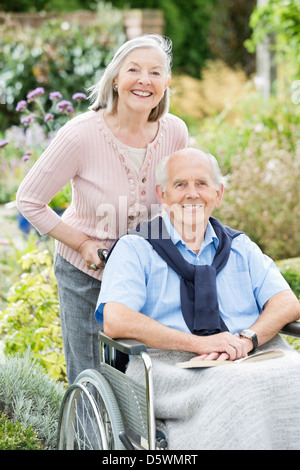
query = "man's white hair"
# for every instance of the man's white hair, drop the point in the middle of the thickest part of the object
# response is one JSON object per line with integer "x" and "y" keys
{"x": 162, "y": 170}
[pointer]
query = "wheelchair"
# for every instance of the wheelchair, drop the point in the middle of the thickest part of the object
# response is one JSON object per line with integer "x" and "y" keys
{"x": 108, "y": 410}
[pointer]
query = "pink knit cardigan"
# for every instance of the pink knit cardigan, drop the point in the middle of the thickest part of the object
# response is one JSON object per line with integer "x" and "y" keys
{"x": 107, "y": 193}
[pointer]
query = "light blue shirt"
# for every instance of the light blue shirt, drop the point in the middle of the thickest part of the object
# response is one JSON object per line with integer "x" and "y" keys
{"x": 136, "y": 276}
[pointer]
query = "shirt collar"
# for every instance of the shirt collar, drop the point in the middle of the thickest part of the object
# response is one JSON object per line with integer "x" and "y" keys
{"x": 210, "y": 234}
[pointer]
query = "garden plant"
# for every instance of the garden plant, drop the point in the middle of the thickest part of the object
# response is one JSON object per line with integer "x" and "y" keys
{"x": 29, "y": 403}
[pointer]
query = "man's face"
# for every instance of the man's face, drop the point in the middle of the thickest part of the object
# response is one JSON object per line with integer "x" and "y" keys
{"x": 191, "y": 195}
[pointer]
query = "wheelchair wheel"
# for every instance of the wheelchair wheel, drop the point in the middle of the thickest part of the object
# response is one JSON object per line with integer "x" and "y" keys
{"x": 90, "y": 418}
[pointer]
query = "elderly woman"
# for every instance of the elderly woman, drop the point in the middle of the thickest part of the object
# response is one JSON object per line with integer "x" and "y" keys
{"x": 109, "y": 154}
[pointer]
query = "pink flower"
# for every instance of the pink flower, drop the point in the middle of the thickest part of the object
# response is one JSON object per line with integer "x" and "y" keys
{"x": 26, "y": 120}
{"x": 79, "y": 96}
{"x": 21, "y": 105}
{"x": 3, "y": 143}
{"x": 35, "y": 93}
{"x": 65, "y": 105}
{"x": 26, "y": 156}
{"x": 55, "y": 95}
{"x": 48, "y": 117}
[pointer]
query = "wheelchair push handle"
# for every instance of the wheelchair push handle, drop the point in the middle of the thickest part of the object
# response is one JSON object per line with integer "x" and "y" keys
{"x": 102, "y": 253}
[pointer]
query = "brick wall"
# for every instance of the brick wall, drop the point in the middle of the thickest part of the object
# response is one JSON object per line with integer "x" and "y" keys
{"x": 136, "y": 22}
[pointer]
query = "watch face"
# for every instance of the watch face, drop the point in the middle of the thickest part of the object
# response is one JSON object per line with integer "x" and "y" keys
{"x": 248, "y": 333}
{"x": 252, "y": 336}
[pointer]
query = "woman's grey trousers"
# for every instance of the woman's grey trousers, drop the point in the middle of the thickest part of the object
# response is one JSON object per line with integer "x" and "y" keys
{"x": 78, "y": 295}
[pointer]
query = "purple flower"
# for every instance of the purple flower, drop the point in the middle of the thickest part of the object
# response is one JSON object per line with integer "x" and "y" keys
{"x": 79, "y": 96}
{"x": 3, "y": 143}
{"x": 55, "y": 95}
{"x": 26, "y": 120}
{"x": 21, "y": 105}
{"x": 26, "y": 156}
{"x": 35, "y": 93}
{"x": 65, "y": 105}
{"x": 48, "y": 117}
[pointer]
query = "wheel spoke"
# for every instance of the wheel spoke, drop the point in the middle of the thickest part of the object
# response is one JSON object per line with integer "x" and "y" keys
{"x": 90, "y": 417}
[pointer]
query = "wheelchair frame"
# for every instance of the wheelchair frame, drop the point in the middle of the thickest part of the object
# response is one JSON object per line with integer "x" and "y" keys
{"x": 111, "y": 411}
{"x": 125, "y": 419}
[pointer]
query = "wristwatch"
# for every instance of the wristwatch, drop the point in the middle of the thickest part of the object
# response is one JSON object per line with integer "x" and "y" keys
{"x": 250, "y": 334}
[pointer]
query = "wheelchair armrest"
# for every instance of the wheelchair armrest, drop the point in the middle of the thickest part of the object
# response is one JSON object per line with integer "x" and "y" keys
{"x": 124, "y": 345}
{"x": 292, "y": 329}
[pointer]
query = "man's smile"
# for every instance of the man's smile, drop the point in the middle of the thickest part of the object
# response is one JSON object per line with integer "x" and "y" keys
{"x": 192, "y": 207}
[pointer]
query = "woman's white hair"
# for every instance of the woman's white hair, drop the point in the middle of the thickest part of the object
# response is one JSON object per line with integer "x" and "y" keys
{"x": 102, "y": 93}
{"x": 162, "y": 170}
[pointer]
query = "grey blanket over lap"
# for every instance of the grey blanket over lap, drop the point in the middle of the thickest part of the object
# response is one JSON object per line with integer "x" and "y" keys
{"x": 252, "y": 406}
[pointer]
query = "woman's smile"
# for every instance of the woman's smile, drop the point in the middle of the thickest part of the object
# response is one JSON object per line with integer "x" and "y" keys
{"x": 141, "y": 93}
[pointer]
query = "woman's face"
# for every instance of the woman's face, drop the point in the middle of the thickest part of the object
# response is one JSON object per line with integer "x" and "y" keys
{"x": 142, "y": 81}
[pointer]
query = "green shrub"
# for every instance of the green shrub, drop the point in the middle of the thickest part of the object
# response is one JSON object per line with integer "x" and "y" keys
{"x": 290, "y": 269}
{"x": 259, "y": 146}
{"x": 30, "y": 318}
{"x": 30, "y": 397}
{"x": 58, "y": 56}
{"x": 13, "y": 436}
{"x": 44, "y": 5}
{"x": 263, "y": 196}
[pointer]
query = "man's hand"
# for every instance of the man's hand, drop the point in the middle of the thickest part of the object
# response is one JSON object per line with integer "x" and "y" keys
{"x": 224, "y": 346}
{"x": 212, "y": 357}
{"x": 122, "y": 322}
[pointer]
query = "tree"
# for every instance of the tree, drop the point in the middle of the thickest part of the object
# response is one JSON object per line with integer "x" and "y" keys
{"x": 229, "y": 29}
{"x": 187, "y": 24}
{"x": 281, "y": 19}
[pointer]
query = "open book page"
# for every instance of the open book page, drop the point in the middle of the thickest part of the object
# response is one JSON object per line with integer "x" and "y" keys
{"x": 259, "y": 356}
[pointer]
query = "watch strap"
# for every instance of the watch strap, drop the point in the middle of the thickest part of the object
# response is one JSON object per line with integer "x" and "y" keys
{"x": 250, "y": 334}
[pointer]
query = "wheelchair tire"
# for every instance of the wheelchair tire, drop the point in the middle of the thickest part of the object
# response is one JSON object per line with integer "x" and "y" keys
{"x": 90, "y": 418}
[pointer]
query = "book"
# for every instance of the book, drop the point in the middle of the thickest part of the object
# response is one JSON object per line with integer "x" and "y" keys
{"x": 259, "y": 356}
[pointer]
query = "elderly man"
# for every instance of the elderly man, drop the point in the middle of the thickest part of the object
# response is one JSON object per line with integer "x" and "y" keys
{"x": 187, "y": 287}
